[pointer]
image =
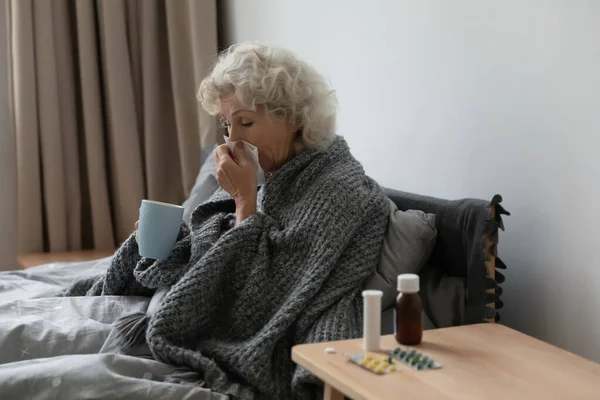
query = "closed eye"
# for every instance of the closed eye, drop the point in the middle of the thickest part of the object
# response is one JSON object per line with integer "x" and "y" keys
{"x": 248, "y": 124}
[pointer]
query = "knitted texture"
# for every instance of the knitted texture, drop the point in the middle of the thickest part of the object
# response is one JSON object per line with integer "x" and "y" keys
{"x": 241, "y": 297}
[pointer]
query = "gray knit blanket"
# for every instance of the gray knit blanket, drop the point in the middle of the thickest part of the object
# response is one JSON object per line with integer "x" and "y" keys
{"x": 236, "y": 299}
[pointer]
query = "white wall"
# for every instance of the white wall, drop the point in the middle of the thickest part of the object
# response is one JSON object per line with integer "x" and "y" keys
{"x": 468, "y": 98}
{"x": 8, "y": 184}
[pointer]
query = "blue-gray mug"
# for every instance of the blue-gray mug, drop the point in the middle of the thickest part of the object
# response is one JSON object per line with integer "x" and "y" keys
{"x": 158, "y": 229}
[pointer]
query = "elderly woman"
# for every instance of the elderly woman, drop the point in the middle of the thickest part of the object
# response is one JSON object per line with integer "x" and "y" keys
{"x": 260, "y": 270}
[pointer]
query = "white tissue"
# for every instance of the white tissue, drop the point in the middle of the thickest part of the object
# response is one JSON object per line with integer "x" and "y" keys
{"x": 253, "y": 151}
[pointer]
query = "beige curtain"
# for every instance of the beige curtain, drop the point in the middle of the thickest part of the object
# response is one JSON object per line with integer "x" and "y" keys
{"x": 8, "y": 174}
{"x": 105, "y": 113}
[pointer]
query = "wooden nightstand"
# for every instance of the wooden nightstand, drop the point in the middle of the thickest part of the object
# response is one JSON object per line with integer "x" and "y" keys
{"x": 31, "y": 260}
{"x": 485, "y": 361}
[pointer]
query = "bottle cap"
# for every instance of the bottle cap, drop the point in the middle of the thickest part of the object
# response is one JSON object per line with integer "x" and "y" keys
{"x": 408, "y": 283}
{"x": 372, "y": 293}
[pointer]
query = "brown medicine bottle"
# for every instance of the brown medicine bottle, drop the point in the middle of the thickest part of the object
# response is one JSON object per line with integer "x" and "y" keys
{"x": 409, "y": 311}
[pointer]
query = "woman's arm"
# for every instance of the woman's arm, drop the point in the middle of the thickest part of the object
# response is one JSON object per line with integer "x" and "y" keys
{"x": 237, "y": 176}
{"x": 118, "y": 279}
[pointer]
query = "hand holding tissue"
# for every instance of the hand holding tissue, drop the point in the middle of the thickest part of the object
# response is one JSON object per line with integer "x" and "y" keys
{"x": 253, "y": 152}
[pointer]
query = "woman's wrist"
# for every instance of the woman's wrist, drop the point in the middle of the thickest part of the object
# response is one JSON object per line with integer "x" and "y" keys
{"x": 243, "y": 209}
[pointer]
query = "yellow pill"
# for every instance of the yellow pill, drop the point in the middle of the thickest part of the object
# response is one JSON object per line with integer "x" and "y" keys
{"x": 364, "y": 361}
{"x": 384, "y": 364}
{"x": 380, "y": 369}
{"x": 368, "y": 357}
{"x": 392, "y": 368}
{"x": 384, "y": 358}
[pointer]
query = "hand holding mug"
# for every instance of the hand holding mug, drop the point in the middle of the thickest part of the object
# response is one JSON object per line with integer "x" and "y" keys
{"x": 157, "y": 229}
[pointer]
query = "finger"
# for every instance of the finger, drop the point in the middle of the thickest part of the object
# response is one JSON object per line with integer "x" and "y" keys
{"x": 137, "y": 224}
{"x": 222, "y": 151}
{"x": 223, "y": 155}
{"x": 221, "y": 177}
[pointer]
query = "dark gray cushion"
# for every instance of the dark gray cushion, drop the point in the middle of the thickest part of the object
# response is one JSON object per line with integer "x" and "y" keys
{"x": 460, "y": 250}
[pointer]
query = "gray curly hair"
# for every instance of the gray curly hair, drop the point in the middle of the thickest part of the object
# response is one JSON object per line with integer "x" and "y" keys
{"x": 288, "y": 88}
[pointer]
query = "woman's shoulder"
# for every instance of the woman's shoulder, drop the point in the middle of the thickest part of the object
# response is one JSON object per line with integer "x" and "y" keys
{"x": 342, "y": 167}
{"x": 344, "y": 177}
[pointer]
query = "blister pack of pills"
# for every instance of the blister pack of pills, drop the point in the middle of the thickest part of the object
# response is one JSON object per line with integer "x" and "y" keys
{"x": 377, "y": 364}
{"x": 413, "y": 358}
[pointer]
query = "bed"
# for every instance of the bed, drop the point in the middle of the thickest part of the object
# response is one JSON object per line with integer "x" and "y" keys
{"x": 61, "y": 347}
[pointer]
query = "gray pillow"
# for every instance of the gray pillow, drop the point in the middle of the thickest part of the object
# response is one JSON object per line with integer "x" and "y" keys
{"x": 206, "y": 184}
{"x": 407, "y": 246}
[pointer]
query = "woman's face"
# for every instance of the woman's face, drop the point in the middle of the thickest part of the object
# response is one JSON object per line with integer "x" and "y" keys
{"x": 274, "y": 138}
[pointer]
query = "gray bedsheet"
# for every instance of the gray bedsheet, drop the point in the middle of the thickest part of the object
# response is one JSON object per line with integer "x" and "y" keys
{"x": 61, "y": 348}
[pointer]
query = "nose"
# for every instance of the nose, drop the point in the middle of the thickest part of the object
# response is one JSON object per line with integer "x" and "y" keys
{"x": 234, "y": 135}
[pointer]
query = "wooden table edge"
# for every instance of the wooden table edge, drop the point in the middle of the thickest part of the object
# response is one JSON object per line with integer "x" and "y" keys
{"x": 331, "y": 390}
